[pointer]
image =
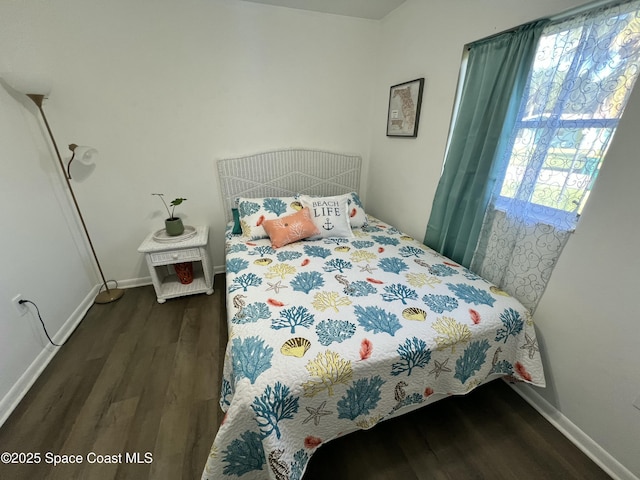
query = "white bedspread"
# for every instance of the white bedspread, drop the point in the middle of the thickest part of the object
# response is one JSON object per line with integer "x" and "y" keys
{"x": 330, "y": 336}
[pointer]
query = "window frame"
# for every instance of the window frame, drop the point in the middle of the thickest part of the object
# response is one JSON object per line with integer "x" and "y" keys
{"x": 537, "y": 212}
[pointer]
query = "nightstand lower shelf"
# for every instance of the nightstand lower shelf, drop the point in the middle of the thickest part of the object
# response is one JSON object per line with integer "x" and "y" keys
{"x": 170, "y": 287}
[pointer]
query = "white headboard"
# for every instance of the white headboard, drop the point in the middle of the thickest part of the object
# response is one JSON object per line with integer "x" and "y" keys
{"x": 283, "y": 173}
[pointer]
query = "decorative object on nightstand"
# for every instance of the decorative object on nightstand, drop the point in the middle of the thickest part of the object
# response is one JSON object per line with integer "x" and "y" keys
{"x": 184, "y": 272}
{"x": 173, "y": 225}
{"x": 37, "y": 91}
{"x": 164, "y": 254}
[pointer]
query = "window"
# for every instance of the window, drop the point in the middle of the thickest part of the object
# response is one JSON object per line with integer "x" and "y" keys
{"x": 578, "y": 87}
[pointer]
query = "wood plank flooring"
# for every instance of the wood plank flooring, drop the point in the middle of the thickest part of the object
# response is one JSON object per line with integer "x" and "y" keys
{"x": 140, "y": 377}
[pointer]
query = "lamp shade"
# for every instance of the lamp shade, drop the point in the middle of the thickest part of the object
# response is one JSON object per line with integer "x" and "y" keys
{"x": 86, "y": 155}
{"x": 27, "y": 84}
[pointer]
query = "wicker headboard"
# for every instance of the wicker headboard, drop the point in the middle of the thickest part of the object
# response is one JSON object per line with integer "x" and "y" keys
{"x": 283, "y": 173}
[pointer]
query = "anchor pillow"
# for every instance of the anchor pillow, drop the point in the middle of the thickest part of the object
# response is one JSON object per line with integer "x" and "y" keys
{"x": 330, "y": 215}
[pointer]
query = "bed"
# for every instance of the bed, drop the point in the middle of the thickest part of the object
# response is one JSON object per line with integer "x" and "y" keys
{"x": 335, "y": 334}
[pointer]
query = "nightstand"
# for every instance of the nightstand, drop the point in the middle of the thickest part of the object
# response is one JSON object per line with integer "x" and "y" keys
{"x": 163, "y": 252}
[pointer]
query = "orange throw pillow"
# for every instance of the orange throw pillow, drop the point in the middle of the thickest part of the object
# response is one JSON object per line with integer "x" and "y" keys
{"x": 290, "y": 228}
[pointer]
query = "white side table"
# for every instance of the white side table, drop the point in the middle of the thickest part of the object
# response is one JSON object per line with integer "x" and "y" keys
{"x": 162, "y": 255}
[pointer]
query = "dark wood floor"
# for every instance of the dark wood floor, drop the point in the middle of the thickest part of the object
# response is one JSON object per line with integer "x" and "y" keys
{"x": 139, "y": 377}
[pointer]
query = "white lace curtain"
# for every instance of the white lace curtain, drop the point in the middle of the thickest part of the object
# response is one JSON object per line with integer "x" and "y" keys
{"x": 583, "y": 73}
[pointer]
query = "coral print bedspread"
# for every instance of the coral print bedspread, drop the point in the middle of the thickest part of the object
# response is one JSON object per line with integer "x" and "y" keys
{"x": 334, "y": 335}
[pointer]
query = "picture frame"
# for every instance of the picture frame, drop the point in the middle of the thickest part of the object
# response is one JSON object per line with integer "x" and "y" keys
{"x": 403, "y": 116}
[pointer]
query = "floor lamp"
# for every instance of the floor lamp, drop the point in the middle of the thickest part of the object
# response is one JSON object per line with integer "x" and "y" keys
{"x": 84, "y": 153}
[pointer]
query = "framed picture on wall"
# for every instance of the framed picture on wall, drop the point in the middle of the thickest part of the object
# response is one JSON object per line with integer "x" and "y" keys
{"x": 404, "y": 109}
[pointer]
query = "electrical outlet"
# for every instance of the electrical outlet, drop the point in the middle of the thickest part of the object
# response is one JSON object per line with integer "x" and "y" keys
{"x": 21, "y": 308}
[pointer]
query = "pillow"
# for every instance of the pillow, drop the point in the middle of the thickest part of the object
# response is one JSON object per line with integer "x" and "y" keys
{"x": 329, "y": 215}
{"x": 254, "y": 211}
{"x": 237, "y": 229}
{"x": 290, "y": 228}
{"x": 357, "y": 215}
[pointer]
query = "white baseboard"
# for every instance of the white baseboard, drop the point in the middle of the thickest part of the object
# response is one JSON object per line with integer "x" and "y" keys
{"x": 144, "y": 281}
{"x": 19, "y": 389}
{"x": 134, "y": 282}
{"x": 570, "y": 430}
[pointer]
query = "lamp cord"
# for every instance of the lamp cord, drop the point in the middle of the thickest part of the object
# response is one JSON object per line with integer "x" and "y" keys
{"x": 42, "y": 322}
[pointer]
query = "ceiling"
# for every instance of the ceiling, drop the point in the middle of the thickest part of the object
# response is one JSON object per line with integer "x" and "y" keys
{"x": 372, "y": 9}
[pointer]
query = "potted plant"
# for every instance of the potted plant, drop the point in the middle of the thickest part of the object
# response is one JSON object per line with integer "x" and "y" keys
{"x": 173, "y": 224}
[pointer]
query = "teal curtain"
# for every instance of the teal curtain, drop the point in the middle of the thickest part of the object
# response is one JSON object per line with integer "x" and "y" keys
{"x": 496, "y": 76}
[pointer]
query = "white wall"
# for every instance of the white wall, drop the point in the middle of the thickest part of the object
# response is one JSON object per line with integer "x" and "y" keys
{"x": 587, "y": 320}
{"x": 588, "y": 317}
{"x": 41, "y": 251}
{"x": 164, "y": 88}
